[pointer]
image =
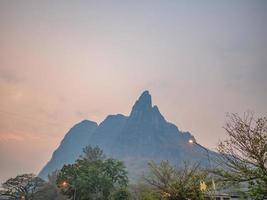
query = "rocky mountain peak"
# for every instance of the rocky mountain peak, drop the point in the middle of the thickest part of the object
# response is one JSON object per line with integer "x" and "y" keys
{"x": 142, "y": 108}
{"x": 143, "y": 112}
{"x": 143, "y": 136}
{"x": 143, "y": 104}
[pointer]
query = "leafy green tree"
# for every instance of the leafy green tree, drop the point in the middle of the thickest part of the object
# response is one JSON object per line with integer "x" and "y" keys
{"x": 120, "y": 194}
{"x": 243, "y": 156}
{"x": 177, "y": 183}
{"x": 67, "y": 180}
{"x": 149, "y": 194}
{"x": 146, "y": 192}
{"x": 92, "y": 176}
{"x": 140, "y": 190}
{"x": 22, "y": 187}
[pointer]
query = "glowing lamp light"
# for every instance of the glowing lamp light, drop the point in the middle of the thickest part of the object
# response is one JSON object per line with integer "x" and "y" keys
{"x": 64, "y": 184}
{"x": 191, "y": 141}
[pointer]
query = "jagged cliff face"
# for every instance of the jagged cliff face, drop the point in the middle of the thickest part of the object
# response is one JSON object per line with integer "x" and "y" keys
{"x": 143, "y": 136}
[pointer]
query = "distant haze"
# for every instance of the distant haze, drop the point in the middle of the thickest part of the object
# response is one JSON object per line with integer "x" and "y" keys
{"x": 65, "y": 61}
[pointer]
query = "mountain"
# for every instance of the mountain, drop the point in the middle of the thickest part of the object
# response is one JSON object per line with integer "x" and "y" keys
{"x": 142, "y": 136}
{"x": 70, "y": 147}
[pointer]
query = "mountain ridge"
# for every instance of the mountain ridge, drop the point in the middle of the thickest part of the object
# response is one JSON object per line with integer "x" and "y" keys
{"x": 142, "y": 136}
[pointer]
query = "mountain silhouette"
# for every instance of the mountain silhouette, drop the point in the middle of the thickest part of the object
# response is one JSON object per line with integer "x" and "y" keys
{"x": 136, "y": 139}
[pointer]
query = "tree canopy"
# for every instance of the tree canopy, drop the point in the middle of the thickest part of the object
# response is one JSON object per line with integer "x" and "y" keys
{"x": 92, "y": 176}
{"x": 22, "y": 187}
{"x": 177, "y": 183}
{"x": 243, "y": 156}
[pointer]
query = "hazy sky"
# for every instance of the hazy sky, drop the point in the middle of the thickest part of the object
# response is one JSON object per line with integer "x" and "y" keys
{"x": 65, "y": 61}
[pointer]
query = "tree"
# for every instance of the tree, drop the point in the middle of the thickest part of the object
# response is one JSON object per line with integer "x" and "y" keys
{"x": 92, "y": 176}
{"x": 22, "y": 187}
{"x": 50, "y": 190}
{"x": 177, "y": 183}
{"x": 91, "y": 154}
{"x": 120, "y": 194}
{"x": 143, "y": 191}
{"x": 149, "y": 194}
{"x": 67, "y": 180}
{"x": 52, "y": 180}
{"x": 243, "y": 156}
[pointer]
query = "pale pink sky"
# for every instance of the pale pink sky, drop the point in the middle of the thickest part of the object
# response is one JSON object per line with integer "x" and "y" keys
{"x": 62, "y": 62}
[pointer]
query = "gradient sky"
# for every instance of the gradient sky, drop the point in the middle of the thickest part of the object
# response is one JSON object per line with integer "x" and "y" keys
{"x": 65, "y": 61}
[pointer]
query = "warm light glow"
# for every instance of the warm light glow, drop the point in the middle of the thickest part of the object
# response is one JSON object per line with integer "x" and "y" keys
{"x": 166, "y": 194}
{"x": 190, "y": 141}
{"x": 64, "y": 184}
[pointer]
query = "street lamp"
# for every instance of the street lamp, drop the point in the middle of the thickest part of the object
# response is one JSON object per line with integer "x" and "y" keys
{"x": 64, "y": 184}
{"x": 193, "y": 141}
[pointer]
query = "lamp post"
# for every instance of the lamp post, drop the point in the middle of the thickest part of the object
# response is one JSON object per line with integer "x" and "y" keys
{"x": 193, "y": 141}
{"x": 76, "y": 180}
{"x": 65, "y": 184}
